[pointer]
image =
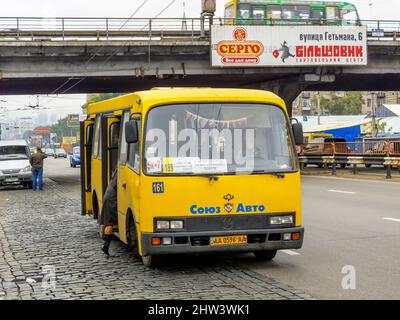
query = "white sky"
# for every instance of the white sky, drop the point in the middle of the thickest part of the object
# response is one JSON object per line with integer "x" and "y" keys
{"x": 380, "y": 9}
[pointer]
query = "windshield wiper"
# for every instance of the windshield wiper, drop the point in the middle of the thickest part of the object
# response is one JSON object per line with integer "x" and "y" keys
{"x": 276, "y": 174}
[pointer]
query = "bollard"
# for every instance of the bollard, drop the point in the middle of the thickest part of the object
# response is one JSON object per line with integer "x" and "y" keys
{"x": 355, "y": 168}
{"x": 388, "y": 171}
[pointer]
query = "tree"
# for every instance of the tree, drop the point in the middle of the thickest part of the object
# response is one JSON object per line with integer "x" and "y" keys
{"x": 63, "y": 130}
{"x": 350, "y": 104}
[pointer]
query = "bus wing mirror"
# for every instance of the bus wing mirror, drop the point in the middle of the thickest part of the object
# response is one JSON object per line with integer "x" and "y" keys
{"x": 298, "y": 133}
{"x": 131, "y": 132}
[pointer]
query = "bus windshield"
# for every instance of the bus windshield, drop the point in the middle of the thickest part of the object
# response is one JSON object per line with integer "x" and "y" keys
{"x": 349, "y": 15}
{"x": 223, "y": 138}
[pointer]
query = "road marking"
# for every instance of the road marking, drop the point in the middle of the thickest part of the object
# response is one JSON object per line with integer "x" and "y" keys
{"x": 340, "y": 191}
{"x": 392, "y": 219}
{"x": 290, "y": 252}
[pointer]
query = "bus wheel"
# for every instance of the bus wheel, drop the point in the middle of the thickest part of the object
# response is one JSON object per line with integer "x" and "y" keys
{"x": 150, "y": 261}
{"x": 266, "y": 255}
{"x": 132, "y": 237}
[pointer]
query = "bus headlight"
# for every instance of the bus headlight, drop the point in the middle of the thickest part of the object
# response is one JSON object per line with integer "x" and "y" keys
{"x": 162, "y": 224}
{"x": 169, "y": 224}
{"x": 281, "y": 220}
{"x": 177, "y": 224}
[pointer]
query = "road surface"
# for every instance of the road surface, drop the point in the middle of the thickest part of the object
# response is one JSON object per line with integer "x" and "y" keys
{"x": 352, "y": 226}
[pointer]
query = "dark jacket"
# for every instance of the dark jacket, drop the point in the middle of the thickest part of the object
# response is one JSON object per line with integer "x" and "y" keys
{"x": 109, "y": 212}
{"x": 36, "y": 160}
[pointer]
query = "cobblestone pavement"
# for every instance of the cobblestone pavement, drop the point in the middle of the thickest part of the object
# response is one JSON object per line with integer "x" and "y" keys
{"x": 49, "y": 251}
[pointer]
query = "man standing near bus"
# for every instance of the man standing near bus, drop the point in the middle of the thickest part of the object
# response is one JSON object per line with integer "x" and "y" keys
{"x": 36, "y": 161}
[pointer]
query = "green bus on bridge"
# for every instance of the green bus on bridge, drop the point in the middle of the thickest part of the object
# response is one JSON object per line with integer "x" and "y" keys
{"x": 271, "y": 12}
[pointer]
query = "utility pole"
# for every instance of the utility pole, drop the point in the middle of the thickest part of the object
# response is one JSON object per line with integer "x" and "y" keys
{"x": 374, "y": 126}
{"x": 319, "y": 107}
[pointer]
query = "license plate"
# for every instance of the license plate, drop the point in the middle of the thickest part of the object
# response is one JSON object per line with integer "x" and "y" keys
{"x": 221, "y": 241}
{"x": 11, "y": 180}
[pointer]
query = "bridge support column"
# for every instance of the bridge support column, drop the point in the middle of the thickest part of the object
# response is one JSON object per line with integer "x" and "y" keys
{"x": 288, "y": 90}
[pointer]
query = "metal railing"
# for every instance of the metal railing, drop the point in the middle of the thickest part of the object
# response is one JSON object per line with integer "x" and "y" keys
{"x": 364, "y": 149}
{"x": 318, "y": 149}
{"x": 394, "y": 148}
{"x": 81, "y": 28}
{"x": 377, "y": 148}
{"x": 101, "y": 28}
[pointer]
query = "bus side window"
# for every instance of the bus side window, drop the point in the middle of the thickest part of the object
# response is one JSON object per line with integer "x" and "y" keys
{"x": 332, "y": 13}
{"x": 303, "y": 12}
{"x": 317, "y": 14}
{"x": 97, "y": 139}
{"x": 123, "y": 146}
{"x": 288, "y": 12}
{"x": 89, "y": 150}
{"x": 114, "y": 143}
{"x": 134, "y": 152}
{"x": 274, "y": 11}
{"x": 244, "y": 10}
{"x": 258, "y": 14}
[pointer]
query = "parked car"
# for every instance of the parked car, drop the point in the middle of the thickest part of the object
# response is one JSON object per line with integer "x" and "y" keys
{"x": 49, "y": 152}
{"x": 60, "y": 153}
{"x": 15, "y": 168}
{"x": 75, "y": 159}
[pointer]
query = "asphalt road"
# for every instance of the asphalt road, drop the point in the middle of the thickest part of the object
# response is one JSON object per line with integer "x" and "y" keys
{"x": 348, "y": 222}
{"x": 345, "y": 226}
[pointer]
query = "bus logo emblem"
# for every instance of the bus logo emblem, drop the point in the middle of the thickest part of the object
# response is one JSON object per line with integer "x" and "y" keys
{"x": 228, "y": 206}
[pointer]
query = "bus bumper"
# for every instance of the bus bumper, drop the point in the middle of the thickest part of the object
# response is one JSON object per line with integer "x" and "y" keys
{"x": 198, "y": 242}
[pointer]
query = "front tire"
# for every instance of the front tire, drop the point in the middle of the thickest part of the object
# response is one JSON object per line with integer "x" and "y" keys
{"x": 150, "y": 261}
{"x": 266, "y": 255}
{"x": 132, "y": 238}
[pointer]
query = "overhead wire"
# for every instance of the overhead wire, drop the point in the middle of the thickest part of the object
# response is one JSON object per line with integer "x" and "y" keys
{"x": 91, "y": 59}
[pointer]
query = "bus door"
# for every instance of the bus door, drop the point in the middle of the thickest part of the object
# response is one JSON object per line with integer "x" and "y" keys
{"x": 128, "y": 177}
{"x": 86, "y": 133}
{"x": 110, "y": 141}
{"x": 113, "y": 125}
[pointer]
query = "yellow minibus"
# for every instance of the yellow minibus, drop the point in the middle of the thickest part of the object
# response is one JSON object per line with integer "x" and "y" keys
{"x": 199, "y": 170}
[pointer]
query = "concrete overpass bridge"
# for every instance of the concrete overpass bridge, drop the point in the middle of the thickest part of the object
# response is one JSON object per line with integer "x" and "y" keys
{"x": 86, "y": 55}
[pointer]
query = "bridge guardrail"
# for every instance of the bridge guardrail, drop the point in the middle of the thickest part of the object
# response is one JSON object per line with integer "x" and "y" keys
{"x": 104, "y": 28}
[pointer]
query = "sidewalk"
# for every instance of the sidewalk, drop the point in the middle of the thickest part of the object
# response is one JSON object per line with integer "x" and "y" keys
{"x": 374, "y": 173}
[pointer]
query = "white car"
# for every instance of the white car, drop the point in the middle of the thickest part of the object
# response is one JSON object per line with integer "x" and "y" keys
{"x": 60, "y": 153}
{"x": 14, "y": 163}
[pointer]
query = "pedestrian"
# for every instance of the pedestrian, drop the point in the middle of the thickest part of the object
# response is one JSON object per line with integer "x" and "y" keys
{"x": 36, "y": 161}
{"x": 109, "y": 213}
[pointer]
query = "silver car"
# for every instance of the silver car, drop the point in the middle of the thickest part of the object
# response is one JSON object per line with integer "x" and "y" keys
{"x": 14, "y": 163}
{"x": 60, "y": 153}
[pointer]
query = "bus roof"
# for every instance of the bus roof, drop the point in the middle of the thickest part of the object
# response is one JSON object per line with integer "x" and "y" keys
{"x": 146, "y": 99}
